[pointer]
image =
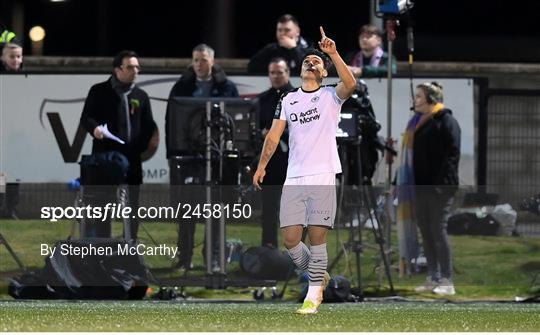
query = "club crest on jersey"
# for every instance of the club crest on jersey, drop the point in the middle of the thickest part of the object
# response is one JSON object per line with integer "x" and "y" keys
{"x": 315, "y": 98}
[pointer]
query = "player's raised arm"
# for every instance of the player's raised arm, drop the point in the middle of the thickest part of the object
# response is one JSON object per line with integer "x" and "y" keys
{"x": 347, "y": 85}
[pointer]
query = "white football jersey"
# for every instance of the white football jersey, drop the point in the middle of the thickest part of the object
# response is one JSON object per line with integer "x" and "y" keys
{"x": 312, "y": 118}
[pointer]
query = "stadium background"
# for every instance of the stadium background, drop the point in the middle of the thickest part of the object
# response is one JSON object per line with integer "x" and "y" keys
{"x": 487, "y": 33}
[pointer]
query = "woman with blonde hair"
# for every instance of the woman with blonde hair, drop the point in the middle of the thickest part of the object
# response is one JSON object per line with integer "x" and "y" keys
{"x": 430, "y": 158}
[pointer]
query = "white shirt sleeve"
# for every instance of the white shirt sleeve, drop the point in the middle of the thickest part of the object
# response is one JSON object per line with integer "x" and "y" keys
{"x": 337, "y": 99}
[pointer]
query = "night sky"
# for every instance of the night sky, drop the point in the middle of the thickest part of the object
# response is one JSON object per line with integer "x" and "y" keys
{"x": 444, "y": 30}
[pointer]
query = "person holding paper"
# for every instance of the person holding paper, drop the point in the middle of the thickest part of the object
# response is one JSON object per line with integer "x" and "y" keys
{"x": 118, "y": 107}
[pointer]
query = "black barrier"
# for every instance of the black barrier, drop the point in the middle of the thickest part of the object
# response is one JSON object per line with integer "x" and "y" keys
{"x": 86, "y": 269}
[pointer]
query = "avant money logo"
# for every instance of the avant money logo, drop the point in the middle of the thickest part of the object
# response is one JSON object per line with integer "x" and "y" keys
{"x": 309, "y": 115}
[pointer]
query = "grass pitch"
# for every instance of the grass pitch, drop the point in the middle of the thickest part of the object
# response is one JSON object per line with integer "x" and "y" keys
{"x": 209, "y": 317}
{"x": 486, "y": 268}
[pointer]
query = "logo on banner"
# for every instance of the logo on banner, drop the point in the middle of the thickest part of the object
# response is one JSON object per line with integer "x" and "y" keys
{"x": 70, "y": 150}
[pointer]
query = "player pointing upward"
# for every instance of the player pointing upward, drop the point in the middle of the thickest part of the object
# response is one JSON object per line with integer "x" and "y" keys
{"x": 308, "y": 199}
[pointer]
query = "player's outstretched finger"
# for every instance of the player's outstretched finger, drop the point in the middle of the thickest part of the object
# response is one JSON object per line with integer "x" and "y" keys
{"x": 323, "y": 35}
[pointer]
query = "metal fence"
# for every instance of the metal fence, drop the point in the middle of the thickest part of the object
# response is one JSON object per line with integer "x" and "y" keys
{"x": 513, "y": 156}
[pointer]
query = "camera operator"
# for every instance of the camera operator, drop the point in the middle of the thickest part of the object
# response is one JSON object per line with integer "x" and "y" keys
{"x": 430, "y": 159}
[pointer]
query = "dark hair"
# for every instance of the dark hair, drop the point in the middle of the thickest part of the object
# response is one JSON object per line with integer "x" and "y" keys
{"x": 279, "y": 59}
{"x": 326, "y": 61}
{"x": 117, "y": 60}
{"x": 433, "y": 91}
{"x": 370, "y": 29}
{"x": 286, "y": 18}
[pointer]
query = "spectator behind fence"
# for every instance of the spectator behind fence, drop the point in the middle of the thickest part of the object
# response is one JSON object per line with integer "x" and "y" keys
{"x": 276, "y": 170}
{"x": 370, "y": 60}
{"x": 427, "y": 179}
{"x": 202, "y": 79}
{"x": 289, "y": 46}
{"x": 12, "y": 57}
{"x": 125, "y": 109}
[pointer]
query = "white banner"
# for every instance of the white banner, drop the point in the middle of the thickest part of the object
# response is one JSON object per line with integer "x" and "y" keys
{"x": 39, "y": 117}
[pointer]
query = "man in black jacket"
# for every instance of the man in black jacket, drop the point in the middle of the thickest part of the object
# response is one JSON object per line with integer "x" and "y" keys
{"x": 276, "y": 170}
{"x": 125, "y": 110}
{"x": 203, "y": 78}
{"x": 289, "y": 46}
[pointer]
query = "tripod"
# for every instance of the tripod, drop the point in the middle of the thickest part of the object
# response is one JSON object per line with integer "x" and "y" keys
{"x": 354, "y": 244}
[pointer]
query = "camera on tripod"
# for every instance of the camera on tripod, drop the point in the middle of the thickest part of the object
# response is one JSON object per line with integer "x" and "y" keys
{"x": 359, "y": 146}
{"x": 357, "y": 116}
{"x": 358, "y": 127}
{"x": 224, "y": 128}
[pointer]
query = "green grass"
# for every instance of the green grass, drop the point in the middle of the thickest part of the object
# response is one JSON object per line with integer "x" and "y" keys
{"x": 486, "y": 267}
{"x": 219, "y": 317}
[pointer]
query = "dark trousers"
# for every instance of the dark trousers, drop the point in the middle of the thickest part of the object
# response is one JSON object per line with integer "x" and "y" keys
{"x": 432, "y": 212}
{"x": 97, "y": 195}
{"x": 134, "y": 192}
{"x": 271, "y": 195}
{"x": 186, "y": 240}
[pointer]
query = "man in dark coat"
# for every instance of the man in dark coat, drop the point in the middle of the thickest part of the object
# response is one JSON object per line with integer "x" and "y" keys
{"x": 202, "y": 79}
{"x": 276, "y": 170}
{"x": 125, "y": 110}
{"x": 289, "y": 45}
